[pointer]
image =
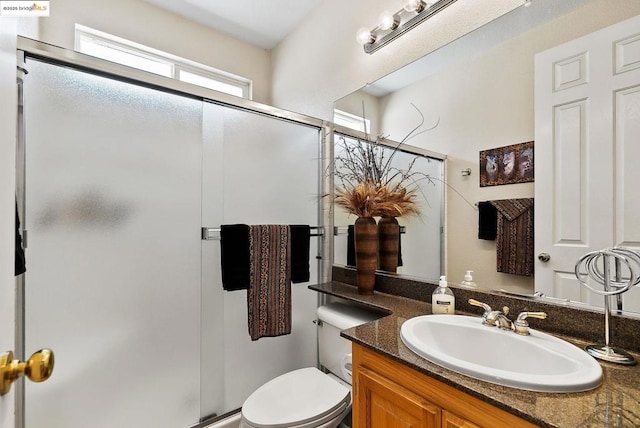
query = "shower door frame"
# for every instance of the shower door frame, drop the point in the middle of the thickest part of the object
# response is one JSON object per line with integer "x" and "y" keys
{"x": 60, "y": 56}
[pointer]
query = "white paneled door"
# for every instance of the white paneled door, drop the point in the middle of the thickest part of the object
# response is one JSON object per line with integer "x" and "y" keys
{"x": 587, "y": 128}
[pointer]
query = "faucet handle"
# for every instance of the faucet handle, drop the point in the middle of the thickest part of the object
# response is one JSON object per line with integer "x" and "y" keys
{"x": 521, "y": 326}
{"x": 487, "y": 308}
{"x": 484, "y": 306}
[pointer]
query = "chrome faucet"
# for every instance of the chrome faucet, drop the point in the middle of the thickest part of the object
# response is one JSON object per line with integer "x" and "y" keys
{"x": 521, "y": 326}
{"x": 493, "y": 318}
{"x": 500, "y": 319}
{"x": 487, "y": 309}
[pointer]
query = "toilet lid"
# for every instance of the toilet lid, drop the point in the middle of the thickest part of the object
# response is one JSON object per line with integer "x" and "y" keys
{"x": 295, "y": 398}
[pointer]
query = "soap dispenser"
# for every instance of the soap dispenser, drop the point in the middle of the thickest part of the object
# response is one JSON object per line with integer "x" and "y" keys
{"x": 442, "y": 300}
{"x": 468, "y": 279}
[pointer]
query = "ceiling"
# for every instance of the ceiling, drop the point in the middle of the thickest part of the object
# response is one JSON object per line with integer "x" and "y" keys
{"x": 262, "y": 23}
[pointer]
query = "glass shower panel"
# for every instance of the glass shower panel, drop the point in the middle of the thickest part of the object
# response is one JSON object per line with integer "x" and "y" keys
{"x": 270, "y": 176}
{"x": 113, "y": 211}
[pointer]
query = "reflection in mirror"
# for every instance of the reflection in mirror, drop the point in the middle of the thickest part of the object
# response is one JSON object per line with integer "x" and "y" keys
{"x": 421, "y": 242}
{"x": 482, "y": 89}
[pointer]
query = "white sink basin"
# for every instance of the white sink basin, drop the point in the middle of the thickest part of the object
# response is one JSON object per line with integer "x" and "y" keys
{"x": 539, "y": 362}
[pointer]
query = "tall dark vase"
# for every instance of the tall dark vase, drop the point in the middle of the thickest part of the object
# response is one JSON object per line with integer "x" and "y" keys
{"x": 389, "y": 242}
{"x": 366, "y": 245}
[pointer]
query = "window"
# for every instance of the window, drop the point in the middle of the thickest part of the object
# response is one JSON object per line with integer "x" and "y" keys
{"x": 106, "y": 46}
{"x": 351, "y": 121}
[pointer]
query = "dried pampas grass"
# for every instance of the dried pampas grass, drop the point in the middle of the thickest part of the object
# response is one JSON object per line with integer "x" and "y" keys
{"x": 400, "y": 203}
{"x": 368, "y": 184}
{"x": 369, "y": 200}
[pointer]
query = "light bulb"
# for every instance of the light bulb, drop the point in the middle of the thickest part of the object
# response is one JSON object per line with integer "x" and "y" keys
{"x": 364, "y": 36}
{"x": 387, "y": 21}
{"x": 413, "y": 5}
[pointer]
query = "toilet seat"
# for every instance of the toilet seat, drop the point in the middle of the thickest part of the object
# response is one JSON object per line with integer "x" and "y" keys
{"x": 303, "y": 398}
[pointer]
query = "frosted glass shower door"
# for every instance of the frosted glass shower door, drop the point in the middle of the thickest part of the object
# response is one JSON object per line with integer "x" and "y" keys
{"x": 113, "y": 213}
{"x": 270, "y": 176}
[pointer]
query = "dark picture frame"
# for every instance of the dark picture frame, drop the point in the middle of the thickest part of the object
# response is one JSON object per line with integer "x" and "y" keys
{"x": 507, "y": 165}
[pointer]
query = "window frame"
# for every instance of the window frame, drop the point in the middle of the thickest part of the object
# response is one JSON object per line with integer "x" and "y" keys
{"x": 176, "y": 64}
{"x": 351, "y": 121}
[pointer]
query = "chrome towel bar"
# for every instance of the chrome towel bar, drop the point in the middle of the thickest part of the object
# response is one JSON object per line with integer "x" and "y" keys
{"x": 213, "y": 233}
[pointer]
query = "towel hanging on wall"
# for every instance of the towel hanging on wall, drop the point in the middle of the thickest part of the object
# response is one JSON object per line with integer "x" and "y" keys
{"x": 515, "y": 237}
{"x": 487, "y": 221}
{"x": 269, "y": 294}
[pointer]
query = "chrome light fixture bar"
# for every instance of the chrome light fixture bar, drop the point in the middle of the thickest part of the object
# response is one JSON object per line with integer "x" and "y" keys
{"x": 393, "y": 26}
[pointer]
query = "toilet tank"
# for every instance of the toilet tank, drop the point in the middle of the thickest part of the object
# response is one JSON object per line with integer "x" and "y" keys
{"x": 332, "y": 347}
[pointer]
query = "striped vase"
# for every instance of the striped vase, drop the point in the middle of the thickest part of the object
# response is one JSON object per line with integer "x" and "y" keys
{"x": 389, "y": 236}
{"x": 366, "y": 245}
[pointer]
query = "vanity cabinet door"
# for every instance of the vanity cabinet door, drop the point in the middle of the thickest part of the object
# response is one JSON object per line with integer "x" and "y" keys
{"x": 449, "y": 420}
{"x": 389, "y": 394}
{"x": 385, "y": 404}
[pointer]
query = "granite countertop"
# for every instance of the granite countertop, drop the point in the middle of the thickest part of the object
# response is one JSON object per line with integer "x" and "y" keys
{"x": 615, "y": 403}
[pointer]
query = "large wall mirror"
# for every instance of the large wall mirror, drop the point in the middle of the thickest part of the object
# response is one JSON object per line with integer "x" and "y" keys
{"x": 481, "y": 89}
{"x": 421, "y": 240}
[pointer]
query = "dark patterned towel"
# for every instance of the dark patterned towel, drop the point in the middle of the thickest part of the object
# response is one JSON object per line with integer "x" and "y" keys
{"x": 269, "y": 295}
{"x": 515, "y": 240}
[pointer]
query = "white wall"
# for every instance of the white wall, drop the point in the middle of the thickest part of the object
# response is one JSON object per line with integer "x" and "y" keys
{"x": 152, "y": 26}
{"x": 487, "y": 102}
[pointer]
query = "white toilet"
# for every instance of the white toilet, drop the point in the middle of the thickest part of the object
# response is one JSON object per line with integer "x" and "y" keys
{"x": 309, "y": 398}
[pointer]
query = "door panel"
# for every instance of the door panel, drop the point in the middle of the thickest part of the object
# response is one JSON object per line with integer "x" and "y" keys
{"x": 587, "y": 128}
{"x": 8, "y": 98}
{"x": 113, "y": 191}
{"x": 270, "y": 176}
{"x": 385, "y": 404}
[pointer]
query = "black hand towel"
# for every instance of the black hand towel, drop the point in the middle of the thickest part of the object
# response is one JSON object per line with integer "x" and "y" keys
{"x": 20, "y": 265}
{"x": 300, "y": 245}
{"x": 351, "y": 246}
{"x": 487, "y": 221}
{"x": 399, "y": 248}
{"x": 234, "y": 256}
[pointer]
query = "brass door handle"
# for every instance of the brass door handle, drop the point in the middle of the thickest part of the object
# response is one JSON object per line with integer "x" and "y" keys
{"x": 37, "y": 368}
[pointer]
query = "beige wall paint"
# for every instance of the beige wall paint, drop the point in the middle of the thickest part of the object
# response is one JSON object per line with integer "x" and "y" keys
{"x": 486, "y": 102}
{"x": 152, "y": 26}
{"x": 320, "y": 62}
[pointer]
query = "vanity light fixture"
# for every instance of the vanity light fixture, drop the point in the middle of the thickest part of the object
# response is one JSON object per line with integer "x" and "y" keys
{"x": 393, "y": 25}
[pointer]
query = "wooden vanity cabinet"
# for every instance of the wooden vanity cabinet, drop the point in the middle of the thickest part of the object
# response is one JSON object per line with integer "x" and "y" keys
{"x": 388, "y": 394}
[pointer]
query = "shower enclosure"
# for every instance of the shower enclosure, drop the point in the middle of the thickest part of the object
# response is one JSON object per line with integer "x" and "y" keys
{"x": 122, "y": 170}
